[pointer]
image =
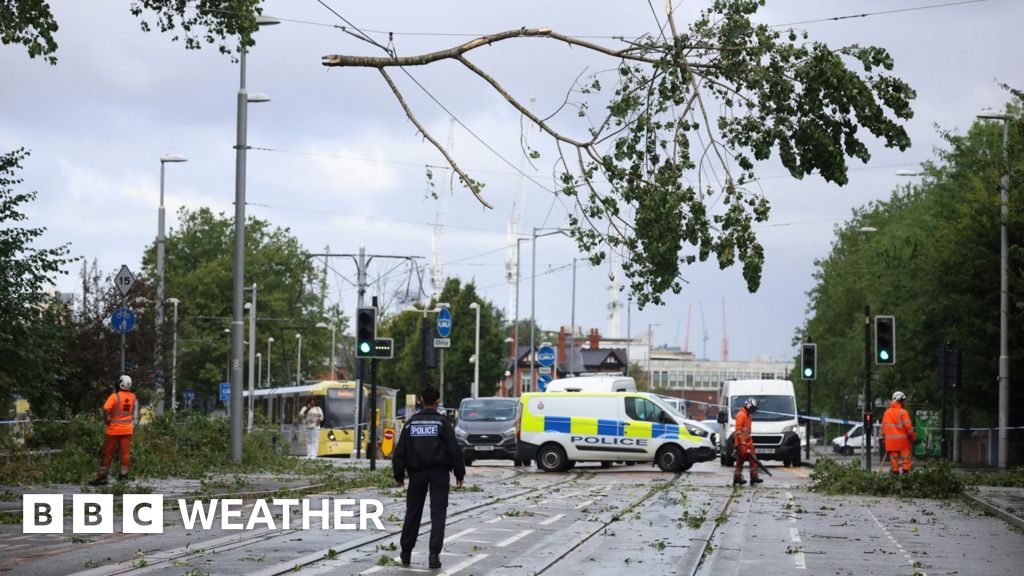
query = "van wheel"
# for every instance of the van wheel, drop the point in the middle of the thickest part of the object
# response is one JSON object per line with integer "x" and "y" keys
{"x": 606, "y": 464}
{"x": 551, "y": 458}
{"x": 570, "y": 465}
{"x": 797, "y": 461}
{"x": 787, "y": 463}
{"x": 670, "y": 459}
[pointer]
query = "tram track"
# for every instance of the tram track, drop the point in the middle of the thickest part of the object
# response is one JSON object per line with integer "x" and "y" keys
{"x": 164, "y": 559}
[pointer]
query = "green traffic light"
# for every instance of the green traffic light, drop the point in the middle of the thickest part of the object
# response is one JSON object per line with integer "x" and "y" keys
{"x": 808, "y": 372}
{"x": 364, "y": 347}
{"x": 883, "y": 355}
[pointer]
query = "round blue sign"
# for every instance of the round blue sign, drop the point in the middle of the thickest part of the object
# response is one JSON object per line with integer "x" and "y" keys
{"x": 122, "y": 320}
{"x": 542, "y": 382}
{"x": 546, "y": 356}
{"x": 444, "y": 323}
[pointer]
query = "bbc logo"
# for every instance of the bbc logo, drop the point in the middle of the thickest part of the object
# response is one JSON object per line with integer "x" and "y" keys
{"x": 92, "y": 514}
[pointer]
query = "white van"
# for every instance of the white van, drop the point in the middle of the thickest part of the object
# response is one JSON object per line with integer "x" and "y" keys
{"x": 774, "y": 427}
{"x": 613, "y": 383}
{"x": 558, "y": 429}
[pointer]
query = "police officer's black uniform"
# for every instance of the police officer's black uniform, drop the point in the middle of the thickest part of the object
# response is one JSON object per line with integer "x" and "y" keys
{"x": 428, "y": 450}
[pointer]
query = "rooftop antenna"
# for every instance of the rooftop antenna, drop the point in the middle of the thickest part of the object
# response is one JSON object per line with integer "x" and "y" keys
{"x": 512, "y": 254}
{"x": 436, "y": 269}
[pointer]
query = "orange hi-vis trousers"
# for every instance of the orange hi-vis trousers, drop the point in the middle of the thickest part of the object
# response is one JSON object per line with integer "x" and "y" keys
{"x": 894, "y": 458}
{"x": 121, "y": 442}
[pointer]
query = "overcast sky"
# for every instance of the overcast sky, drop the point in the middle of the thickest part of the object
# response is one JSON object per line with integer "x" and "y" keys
{"x": 347, "y": 166}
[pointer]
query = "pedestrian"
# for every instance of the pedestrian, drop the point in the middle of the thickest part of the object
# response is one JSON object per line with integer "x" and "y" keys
{"x": 118, "y": 411}
{"x": 744, "y": 444}
{"x": 898, "y": 431}
{"x": 312, "y": 417}
{"x": 427, "y": 449}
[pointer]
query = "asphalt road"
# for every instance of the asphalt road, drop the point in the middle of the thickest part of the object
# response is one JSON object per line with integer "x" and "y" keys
{"x": 627, "y": 519}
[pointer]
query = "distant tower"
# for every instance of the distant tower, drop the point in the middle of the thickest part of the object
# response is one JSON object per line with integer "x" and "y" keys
{"x": 512, "y": 254}
{"x": 436, "y": 269}
{"x": 725, "y": 338}
{"x": 614, "y": 316}
{"x": 689, "y": 315}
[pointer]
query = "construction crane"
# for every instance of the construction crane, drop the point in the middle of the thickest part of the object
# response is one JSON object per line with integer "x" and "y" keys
{"x": 436, "y": 269}
{"x": 704, "y": 327}
{"x": 512, "y": 254}
{"x": 689, "y": 315}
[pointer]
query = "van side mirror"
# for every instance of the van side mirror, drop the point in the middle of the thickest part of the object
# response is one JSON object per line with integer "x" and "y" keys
{"x": 722, "y": 418}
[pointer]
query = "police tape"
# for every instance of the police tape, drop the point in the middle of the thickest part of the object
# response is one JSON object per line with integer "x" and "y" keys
{"x": 849, "y": 422}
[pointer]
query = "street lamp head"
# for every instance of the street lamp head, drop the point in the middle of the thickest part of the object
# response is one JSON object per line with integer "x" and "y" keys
{"x": 248, "y": 306}
{"x": 267, "y": 21}
{"x": 172, "y": 158}
{"x": 908, "y": 173}
{"x": 298, "y": 336}
{"x": 474, "y": 306}
{"x": 867, "y": 229}
{"x": 173, "y": 301}
{"x": 443, "y": 305}
{"x": 271, "y": 339}
{"x": 990, "y": 114}
{"x": 322, "y": 325}
{"x": 227, "y": 330}
{"x": 256, "y": 98}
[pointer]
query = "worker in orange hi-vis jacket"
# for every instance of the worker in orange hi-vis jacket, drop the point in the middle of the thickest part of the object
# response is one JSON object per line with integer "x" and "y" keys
{"x": 118, "y": 410}
{"x": 744, "y": 443}
{"x": 898, "y": 431}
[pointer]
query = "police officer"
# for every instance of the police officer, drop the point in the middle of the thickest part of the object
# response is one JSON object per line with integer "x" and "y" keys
{"x": 428, "y": 450}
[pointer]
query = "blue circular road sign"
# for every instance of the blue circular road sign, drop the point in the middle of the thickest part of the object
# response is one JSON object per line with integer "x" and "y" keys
{"x": 542, "y": 382}
{"x": 444, "y": 323}
{"x": 122, "y": 320}
{"x": 546, "y": 356}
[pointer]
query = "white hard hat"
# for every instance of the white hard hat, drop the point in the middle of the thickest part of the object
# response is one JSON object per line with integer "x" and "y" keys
{"x": 124, "y": 382}
{"x": 899, "y": 396}
{"x": 751, "y": 404}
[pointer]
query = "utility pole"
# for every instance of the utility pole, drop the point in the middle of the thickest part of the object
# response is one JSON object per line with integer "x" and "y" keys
{"x": 868, "y": 420}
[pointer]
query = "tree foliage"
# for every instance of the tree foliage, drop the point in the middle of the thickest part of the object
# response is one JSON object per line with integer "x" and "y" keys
{"x": 663, "y": 173}
{"x": 403, "y": 372}
{"x": 31, "y": 24}
{"x": 933, "y": 263}
{"x": 32, "y": 323}
{"x": 199, "y": 270}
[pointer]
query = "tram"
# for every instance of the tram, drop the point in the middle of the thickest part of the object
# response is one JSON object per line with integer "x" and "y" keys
{"x": 338, "y": 400}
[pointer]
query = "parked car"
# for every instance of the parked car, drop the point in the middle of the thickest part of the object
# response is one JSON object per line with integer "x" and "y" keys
{"x": 850, "y": 442}
{"x": 485, "y": 429}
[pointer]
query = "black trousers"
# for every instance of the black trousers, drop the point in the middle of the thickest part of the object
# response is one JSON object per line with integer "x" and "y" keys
{"x": 437, "y": 482}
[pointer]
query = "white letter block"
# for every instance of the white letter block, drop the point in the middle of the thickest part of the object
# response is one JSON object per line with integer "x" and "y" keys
{"x": 92, "y": 514}
{"x": 143, "y": 514}
{"x": 42, "y": 514}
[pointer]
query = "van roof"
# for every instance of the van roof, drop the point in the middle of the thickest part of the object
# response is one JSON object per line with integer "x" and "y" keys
{"x": 740, "y": 387}
{"x": 583, "y": 394}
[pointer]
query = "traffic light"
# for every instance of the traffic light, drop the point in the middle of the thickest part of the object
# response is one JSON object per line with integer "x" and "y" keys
{"x": 384, "y": 348}
{"x": 366, "y": 331}
{"x": 885, "y": 339}
{"x": 809, "y": 362}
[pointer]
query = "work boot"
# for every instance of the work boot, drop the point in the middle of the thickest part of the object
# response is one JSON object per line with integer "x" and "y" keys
{"x": 99, "y": 480}
{"x": 122, "y": 477}
{"x": 434, "y": 562}
{"x": 739, "y": 481}
{"x": 406, "y": 557}
{"x": 756, "y": 480}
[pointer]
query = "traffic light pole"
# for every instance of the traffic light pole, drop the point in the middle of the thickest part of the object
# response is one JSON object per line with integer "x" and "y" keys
{"x": 372, "y": 449}
{"x": 807, "y": 448}
{"x": 868, "y": 421}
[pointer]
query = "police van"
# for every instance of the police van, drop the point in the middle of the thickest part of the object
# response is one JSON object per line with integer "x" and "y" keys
{"x": 593, "y": 384}
{"x": 558, "y": 429}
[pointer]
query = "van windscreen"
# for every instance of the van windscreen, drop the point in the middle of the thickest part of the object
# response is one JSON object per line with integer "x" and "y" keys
{"x": 490, "y": 410}
{"x": 769, "y": 408}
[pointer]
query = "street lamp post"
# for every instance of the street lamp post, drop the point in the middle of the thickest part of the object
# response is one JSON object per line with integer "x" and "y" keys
{"x": 251, "y": 306}
{"x": 868, "y": 427}
{"x": 476, "y": 355}
{"x": 227, "y": 368}
{"x": 158, "y": 357}
{"x": 1004, "y": 290}
{"x": 239, "y": 273}
{"x": 650, "y": 352}
{"x": 174, "y": 357}
{"x": 269, "y": 379}
{"x": 298, "y": 361}
{"x": 333, "y": 345}
{"x": 533, "y": 297}
{"x": 259, "y": 378}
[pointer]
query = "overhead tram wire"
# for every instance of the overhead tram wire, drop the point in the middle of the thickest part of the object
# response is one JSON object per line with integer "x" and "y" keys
{"x": 879, "y": 13}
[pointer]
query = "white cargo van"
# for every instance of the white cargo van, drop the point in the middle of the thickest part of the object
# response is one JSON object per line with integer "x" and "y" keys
{"x": 774, "y": 427}
{"x": 614, "y": 383}
{"x": 558, "y": 429}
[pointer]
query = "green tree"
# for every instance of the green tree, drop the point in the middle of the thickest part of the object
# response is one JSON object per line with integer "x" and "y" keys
{"x": 403, "y": 372}
{"x": 198, "y": 271}
{"x": 934, "y": 264}
{"x": 33, "y": 327}
{"x": 713, "y": 98}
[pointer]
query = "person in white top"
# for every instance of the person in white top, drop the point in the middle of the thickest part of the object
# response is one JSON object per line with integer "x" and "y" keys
{"x": 312, "y": 416}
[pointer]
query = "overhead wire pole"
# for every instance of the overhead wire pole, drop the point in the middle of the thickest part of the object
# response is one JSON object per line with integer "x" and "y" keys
{"x": 533, "y": 297}
{"x": 361, "y": 261}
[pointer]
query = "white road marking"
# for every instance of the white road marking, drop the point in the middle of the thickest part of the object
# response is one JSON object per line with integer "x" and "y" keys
{"x": 476, "y": 541}
{"x": 493, "y": 520}
{"x": 909, "y": 560}
{"x": 799, "y": 561}
{"x": 794, "y": 534}
{"x": 552, "y": 520}
{"x": 456, "y": 536}
{"x": 584, "y": 503}
{"x": 508, "y": 541}
{"x": 372, "y": 570}
{"x": 465, "y": 564}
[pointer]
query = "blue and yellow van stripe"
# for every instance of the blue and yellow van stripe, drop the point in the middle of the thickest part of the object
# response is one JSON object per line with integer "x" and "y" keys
{"x": 602, "y": 427}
